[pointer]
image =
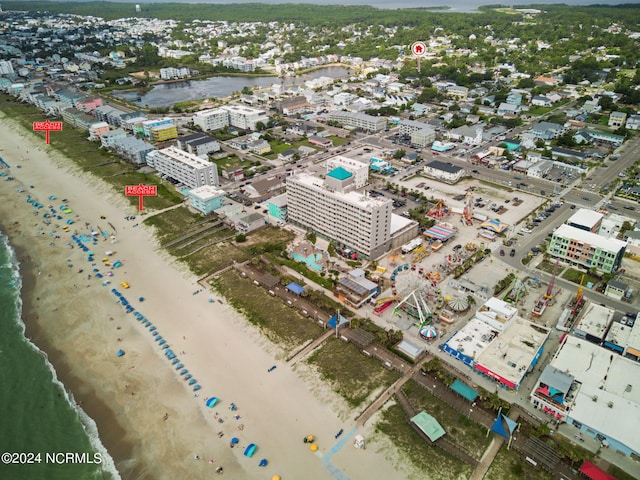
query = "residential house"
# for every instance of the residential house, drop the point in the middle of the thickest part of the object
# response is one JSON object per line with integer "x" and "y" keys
{"x": 617, "y": 119}
{"x": 547, "y": 130}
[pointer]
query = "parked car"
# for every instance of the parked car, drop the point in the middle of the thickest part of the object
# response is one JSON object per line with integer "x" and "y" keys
{"x": 512, "y": 253}
{"x": 502, "y": 252}
{"x": 525, "y": 230}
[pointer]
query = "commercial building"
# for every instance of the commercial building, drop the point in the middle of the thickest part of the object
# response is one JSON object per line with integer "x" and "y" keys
{"x": 183, "y": 167}
{"x": 587, "y": 220}
{"x": 359, "y": 120}
{"x": 355, "y": 289}
{"x": 594, "y": 323}
{"x": 207, "y": 199}
{"x": 333, "y": 208}
{"x": 445, "y": 172}
{"x": 586, "y": 249}
{"x": 499, "y": 345}
{"x": 358, "y": 169}
{"x": 599, "y": 394}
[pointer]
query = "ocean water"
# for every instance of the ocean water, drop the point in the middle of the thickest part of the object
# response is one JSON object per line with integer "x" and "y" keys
{"x": 43, "y": 434}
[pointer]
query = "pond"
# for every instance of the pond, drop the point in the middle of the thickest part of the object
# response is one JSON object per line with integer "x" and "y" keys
{"x": 168, "y": 94}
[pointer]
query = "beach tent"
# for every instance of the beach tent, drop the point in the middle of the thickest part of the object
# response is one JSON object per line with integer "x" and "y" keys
{"x": 120, "y": 353}
{"x": 210, "y": 402}
{"x": 250, "y": 450}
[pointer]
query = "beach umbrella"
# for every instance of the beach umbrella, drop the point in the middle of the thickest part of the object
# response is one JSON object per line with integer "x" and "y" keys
{"x": 187, "y": 376}
{"x": 175, "y": 360}
{"x": 120, "y": 353}
{"x": 275, "y": 477}
{"x": 141, "y": 299}
{"x": 313, "y": 447}
{"x": 210, "y": 402}
{"x": 166, "y": 345}
{"x": 263, "y": 462}
{"x": 192, "y": 381}
{"x": 196, "y": 388}
{"x": 179, "y": 366}
{"x": 184, "y": 371}
{"x": 234, "y": 441}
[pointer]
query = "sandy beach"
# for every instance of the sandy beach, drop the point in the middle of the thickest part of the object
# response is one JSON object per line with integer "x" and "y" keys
{"x": 81, "y": 326}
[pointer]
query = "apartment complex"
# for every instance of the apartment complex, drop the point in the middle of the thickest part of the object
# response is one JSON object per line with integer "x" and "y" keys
{"x": 183, "y": 167}
{"x": 238, "y": 116}
{"x": 333, "y": 209}
{"x": 586, "y": 249}
{"x": 359, "y": 120}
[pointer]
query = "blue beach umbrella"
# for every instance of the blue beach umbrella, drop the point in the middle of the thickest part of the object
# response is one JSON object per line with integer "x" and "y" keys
{"x": 196, "y": 388}
{"x": 120, "y": 353}
{"x": 179, "y": 366}
{"x": 175, "y": 360}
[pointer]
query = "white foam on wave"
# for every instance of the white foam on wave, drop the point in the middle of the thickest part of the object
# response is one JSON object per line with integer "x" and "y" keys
{"x": 108, "y": 466}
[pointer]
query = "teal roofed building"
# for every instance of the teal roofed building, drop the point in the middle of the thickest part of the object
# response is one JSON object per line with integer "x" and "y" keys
{"x": 339, "y": 174}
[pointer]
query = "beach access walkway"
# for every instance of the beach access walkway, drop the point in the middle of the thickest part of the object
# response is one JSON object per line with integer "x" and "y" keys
{"x": 408, "y": 373}
{"x": 310, "y": 347}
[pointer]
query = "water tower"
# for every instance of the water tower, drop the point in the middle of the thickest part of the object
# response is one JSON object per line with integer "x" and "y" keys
{"x": 138, "y": 9}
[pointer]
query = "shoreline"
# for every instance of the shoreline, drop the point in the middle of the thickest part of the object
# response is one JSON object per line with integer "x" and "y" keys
{"x": 127, "y": 397}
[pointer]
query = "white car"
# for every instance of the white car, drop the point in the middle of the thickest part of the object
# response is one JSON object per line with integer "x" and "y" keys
{"x": 525, "y": 230}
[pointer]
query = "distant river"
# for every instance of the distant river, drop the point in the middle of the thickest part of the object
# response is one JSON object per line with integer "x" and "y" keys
{"x": 167, "y": 94}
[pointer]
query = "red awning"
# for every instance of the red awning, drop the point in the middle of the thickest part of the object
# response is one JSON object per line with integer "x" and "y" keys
{"x": 593, "y": 472}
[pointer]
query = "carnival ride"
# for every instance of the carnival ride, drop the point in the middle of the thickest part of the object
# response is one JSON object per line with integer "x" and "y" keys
{"x": 467, "y": 212}
{"x": 543, "y": 301}
{"x": 516, "y": 290}
{"x": 439, "y": 211}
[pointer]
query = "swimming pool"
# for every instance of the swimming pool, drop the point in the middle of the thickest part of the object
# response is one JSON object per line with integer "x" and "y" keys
{"x": 309, "y": 260}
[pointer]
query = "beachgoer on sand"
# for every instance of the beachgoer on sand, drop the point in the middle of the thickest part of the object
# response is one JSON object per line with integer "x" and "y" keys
{"x": 196, "y": 457}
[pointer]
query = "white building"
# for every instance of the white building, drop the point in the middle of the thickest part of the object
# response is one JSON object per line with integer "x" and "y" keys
{"x": 183, "y": 167}
{"x": 362, "y": 121}
{"x": 594, "y": 323}
{"x": 170, "y": 73}
{"x": 358, "y": 169}
{"x": 238, "y": 116}
{"x": 333, "y": 209}
{"x": 213, "y": 119}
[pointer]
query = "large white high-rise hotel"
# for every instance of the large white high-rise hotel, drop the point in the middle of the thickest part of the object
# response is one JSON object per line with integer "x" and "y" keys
{"x": 333, "y": 209}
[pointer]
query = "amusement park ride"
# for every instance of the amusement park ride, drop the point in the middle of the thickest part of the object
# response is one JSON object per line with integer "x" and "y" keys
{"x": 467, "y": 212}
{"x": 516, "y": 290}
{"x": 542, "y": 302}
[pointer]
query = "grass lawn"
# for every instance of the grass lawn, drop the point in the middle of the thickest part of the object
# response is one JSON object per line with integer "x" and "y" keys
{"x": 353, "y": 375}
{"x": 432, "y": 463}
{"x": 508, "y": 464}
{"x": 547, "y": 266}
{"x": 576, "y": 275}
{"x": 460, "y": 430}
{"x": 230, "y": 161}
{"x": 279, "y": 323}
{"x": 337, "y": 141}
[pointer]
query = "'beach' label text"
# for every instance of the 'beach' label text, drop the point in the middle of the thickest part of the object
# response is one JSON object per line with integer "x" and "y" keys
{"x": 140, "y": 191}
{"x": 47, "y": 126}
